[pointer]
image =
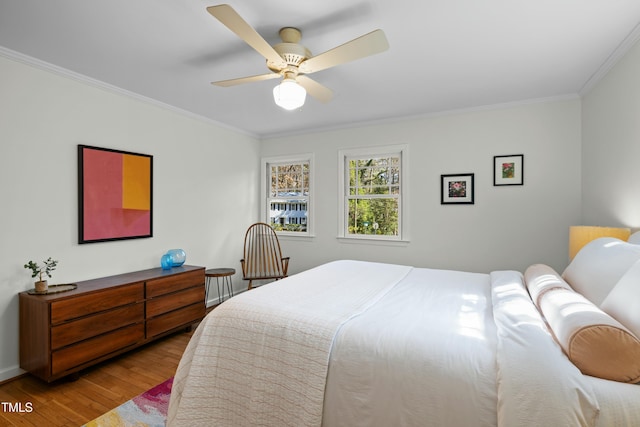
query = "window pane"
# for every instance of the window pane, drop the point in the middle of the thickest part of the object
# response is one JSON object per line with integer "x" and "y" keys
{"x": 288, "y": 214}
{"x": 394, "y": 175}
{"x": 274, "y": 182}
{"x": 305, "y": 179}
{"x": 374, "y": 176}
{"x": 373, "y": 216}
{"x": 290, "y": 180}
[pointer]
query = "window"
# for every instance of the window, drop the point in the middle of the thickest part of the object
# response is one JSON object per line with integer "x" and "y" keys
{"x": 373, "y": 188}
{"x": 287, "y": 189}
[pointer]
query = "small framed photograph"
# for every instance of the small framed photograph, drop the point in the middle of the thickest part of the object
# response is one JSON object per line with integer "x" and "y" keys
{"x": 508, "y": 170}
{"x": 456, "y": 189}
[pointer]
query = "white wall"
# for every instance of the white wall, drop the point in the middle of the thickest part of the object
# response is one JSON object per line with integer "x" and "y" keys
{"x": 611, "y": 146}
{"x": 205, "y": 185}
{"x": 507, "y": 227}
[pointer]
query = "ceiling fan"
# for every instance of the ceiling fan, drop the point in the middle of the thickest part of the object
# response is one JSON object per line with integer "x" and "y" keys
{"x": 292, "y": 61}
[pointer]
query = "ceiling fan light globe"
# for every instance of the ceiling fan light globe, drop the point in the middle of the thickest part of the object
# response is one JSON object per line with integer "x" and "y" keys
{"x": 289, "y": 95}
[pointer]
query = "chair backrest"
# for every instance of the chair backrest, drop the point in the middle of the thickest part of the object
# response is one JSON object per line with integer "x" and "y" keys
{"x": 262, "y": 253}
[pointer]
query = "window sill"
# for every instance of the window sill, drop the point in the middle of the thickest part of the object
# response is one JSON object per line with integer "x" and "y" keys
{"x": 372, "y": 241}
{"x": 297, "y": 238}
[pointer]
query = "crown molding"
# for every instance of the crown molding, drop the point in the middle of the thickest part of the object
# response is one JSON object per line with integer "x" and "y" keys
{"x": 423, "y": 116}
{"x": 623, "y": 48}
{"x": 81, "y": 78}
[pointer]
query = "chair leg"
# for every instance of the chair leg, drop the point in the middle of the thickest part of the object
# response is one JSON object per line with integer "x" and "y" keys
{"x": 250, "y": 287}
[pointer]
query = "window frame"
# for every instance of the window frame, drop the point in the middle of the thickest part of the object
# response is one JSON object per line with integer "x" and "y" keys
{"x": 265, "y": 187}
{"x": 344, "y": 156}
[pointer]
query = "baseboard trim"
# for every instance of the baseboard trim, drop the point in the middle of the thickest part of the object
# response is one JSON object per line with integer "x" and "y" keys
{"x": 10, "y": 374}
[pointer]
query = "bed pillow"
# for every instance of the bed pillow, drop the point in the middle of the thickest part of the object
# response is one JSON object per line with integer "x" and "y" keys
{"x": 623, "y": 302}
{"x": 634, "y": 238}
{"x": 541, "y": 278}
{"x": 599, "y": 265}
{"x": 595, "y": 342}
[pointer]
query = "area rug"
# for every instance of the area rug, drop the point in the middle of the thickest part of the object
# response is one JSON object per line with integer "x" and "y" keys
{"x": 147, "y": 409}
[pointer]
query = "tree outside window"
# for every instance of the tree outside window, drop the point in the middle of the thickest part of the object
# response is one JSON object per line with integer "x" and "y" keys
{"x": 373, "y": 196}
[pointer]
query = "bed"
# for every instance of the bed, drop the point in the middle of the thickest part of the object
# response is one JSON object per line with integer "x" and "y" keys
{"x": 354, "y": 343}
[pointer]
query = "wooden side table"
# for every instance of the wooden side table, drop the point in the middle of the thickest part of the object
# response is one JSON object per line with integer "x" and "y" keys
{"x": 223, "y": 277}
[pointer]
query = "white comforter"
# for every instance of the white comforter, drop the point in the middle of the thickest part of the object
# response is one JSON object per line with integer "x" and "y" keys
{"x": 367, "y": 344}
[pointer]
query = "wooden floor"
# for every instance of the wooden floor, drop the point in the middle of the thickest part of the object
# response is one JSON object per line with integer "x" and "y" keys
{"x": 98, "y": 390}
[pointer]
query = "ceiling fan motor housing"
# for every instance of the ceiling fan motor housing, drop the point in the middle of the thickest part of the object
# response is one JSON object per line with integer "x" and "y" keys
{"x": 292, "y": 52}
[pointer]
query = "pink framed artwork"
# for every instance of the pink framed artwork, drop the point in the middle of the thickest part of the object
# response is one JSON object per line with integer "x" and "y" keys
{"x": 115, "y": 197}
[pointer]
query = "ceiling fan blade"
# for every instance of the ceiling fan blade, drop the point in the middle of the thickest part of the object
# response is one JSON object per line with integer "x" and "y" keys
{"x": 242, "y": 80}
{"x": 230, "y": 18}
{"x": 315, "y": 89}
{"x": 366, "y": 45}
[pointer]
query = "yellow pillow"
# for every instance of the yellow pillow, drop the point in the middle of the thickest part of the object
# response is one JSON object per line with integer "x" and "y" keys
{"x": 595, "y": 342}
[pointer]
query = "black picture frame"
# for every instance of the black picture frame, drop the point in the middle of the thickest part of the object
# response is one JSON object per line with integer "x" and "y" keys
{"x": 457, "y": 189}
{"x": 508, "y": 170}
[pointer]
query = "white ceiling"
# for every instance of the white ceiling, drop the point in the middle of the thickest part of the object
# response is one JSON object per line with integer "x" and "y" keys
{"x": 444, "y": 54}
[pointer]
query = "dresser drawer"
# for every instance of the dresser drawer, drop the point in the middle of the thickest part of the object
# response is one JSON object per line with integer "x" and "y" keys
{"x": 174, "y": 283}
{"x": 87, "y": 327}
{"x": 69, "y": 309}
{"x": 169, "y": 302}
{"x": 175, "y": 319}
{"x": 86, "y": 351}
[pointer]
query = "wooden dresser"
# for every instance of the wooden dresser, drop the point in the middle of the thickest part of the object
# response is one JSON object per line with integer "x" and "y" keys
{"x": 63, "y": 333}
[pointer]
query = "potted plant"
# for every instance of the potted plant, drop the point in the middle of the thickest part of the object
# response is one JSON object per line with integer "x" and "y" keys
{"x": 41, "y": 272}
